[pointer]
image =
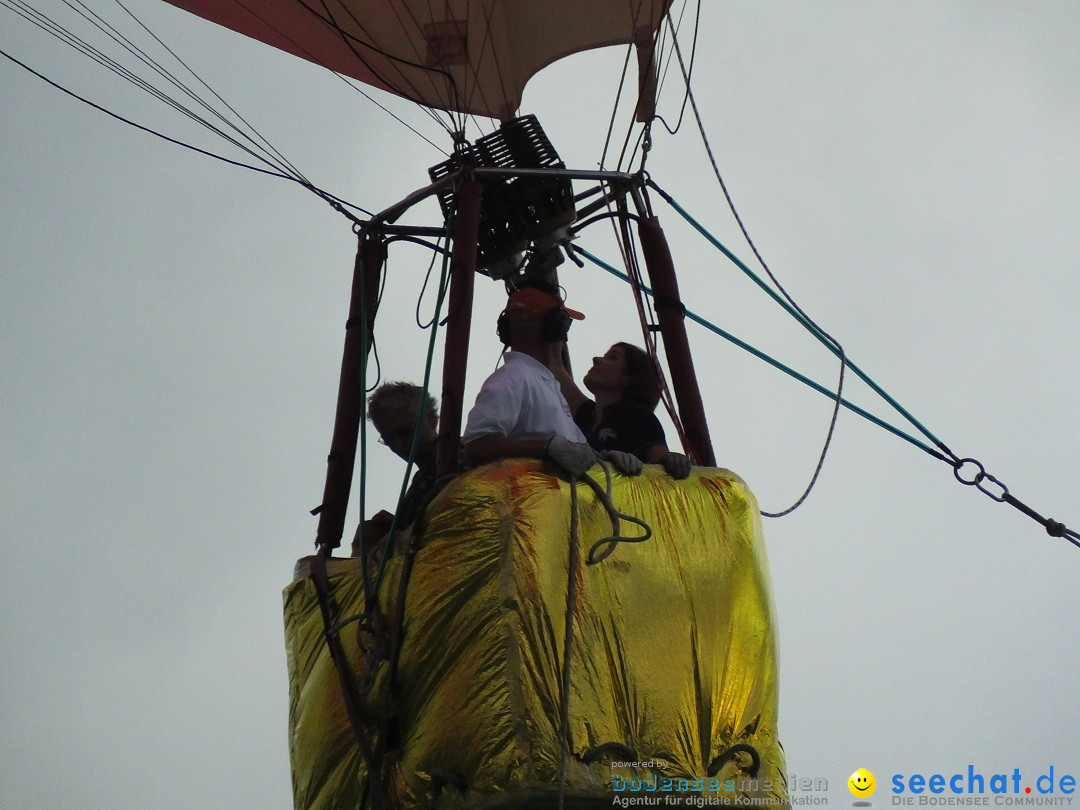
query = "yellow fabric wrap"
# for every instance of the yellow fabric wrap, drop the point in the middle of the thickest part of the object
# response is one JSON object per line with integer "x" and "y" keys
{"x": 673, "y": 675}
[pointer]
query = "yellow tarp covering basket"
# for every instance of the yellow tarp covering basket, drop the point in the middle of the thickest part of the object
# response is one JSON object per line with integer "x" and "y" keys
{"x": 673, "y": 682}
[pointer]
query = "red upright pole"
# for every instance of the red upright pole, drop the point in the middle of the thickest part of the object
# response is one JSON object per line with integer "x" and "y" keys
{"x": 458, "y": 323}
{"x": 672, "y": 316}
{"x": 350, "y": 403}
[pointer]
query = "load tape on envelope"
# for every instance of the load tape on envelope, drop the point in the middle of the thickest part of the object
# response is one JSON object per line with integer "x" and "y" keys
{"x": 672, "y": 671}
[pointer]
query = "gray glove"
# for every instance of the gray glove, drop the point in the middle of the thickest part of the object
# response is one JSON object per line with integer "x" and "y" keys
{"x": 574, "y": 457}
{"x": 676, "y": 464}
{"x": 626, "y": 463}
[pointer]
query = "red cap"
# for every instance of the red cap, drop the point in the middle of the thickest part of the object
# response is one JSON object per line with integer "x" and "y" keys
{"x": 530, "y": 299}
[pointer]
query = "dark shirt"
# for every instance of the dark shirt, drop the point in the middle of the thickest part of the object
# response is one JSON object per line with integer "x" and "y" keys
{"x": 422, "y": 486}
{"x": 624, "y": 426}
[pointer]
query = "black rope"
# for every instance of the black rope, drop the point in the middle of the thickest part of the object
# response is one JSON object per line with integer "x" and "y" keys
{"x": 613, "y": 750}
{"x": 441, "y": 778}
{"x": 403, "y": 87}
{"x": 387, "y": 727}
{"x": 611, "y": 542}
{"x": 166, "y": 74}
{"x": 128, "y": 121}
{"x": 436, "y": 251}
{"x": 689, "y": 70}
{"x": 837, "y": 348}
{"x": 580, "y": 226}
{"x": 729, "y": 755}
{"x": 269, "y": 156}
{"x": 573, "y": 568}
{"x": 349, "y": 693}
{"x": 994, "y": 489}
{"x": 335, "y": 202}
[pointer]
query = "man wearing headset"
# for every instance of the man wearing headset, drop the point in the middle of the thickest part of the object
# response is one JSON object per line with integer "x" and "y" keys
{"x": 520, "y": 410}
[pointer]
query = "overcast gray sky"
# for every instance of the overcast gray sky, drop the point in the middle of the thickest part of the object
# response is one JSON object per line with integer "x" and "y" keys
{"x": 170, "y": 334}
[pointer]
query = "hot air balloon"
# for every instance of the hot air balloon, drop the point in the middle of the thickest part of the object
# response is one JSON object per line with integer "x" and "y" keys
{"x": 467, "y": 57}
{"x": 512, "y": 653}
{"x": 535, "y": 641}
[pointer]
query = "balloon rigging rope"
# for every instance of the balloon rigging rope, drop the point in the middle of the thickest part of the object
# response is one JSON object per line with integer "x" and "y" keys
{"x": 573, "y": 572}
{"x": 269, "y": 155}
{"x": 572, "y": 577}
{"x": 274, "y": 156}
{"x": 283, "y": 169}
{"x": 615, "y": 106}
{"x": 354, "y": 45}
{"x": 690, "y": 68}
{"x": 646, "y": 319}
{"x": 281, "y": 172}
{"x": 351, "y": 83}
{"x": 444, "y": 283}
{"x": 213, "y": 92}
{"x": 716, "y": 330}
{"x": 822, "y": 334}
{"x": 968, "y": 471}
{"x": 477, "y": 84}
{"x": 962, "y": 467}
{"x": 611, "y": 542}
{"x": 641, "y": 143}
{"x": 370, "y": 617}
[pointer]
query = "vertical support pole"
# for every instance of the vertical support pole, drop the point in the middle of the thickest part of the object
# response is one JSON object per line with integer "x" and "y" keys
{"x": 672, "y": 315}
{"x": 363, "y": 305}
{"x": 458, "y": 323}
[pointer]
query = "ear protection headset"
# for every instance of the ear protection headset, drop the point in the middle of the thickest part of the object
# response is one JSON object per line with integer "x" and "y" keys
{"x": 554, "y": 327}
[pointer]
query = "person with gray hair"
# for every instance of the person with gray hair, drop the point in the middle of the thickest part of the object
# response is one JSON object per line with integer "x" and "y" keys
{"x": 404, "y": 415}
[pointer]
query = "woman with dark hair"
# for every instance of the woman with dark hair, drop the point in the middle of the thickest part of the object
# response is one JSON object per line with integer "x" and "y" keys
{"x": 621, "y": 417}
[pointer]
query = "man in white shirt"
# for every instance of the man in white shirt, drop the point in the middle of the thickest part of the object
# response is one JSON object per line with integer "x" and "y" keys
{"x": 520, "y": 410}
{"x": 521, "y": 400}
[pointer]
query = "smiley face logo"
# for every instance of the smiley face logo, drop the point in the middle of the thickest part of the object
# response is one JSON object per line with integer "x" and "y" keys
{"x": 862, "y": 783}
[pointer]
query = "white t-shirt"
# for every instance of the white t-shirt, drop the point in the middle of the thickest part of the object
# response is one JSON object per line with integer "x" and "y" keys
{"x": 521, "y": 399}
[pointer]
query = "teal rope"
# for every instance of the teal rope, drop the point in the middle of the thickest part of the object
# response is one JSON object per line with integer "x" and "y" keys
{"x": 444, "y": 284}
{"x": 772, "y": 361}
{"x": 810, "y": 327}
{"x": 366, "y": 343}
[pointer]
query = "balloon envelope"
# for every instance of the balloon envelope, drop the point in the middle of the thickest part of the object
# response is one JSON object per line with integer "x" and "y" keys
{"x": 469, "y": 56}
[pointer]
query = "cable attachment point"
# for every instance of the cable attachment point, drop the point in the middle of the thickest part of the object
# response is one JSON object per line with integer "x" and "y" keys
{"x": 1055, "y": 529}
{"x": 976, "y": 478}
{"x": 994, "y": 489}
{"x": 972, "y": 473}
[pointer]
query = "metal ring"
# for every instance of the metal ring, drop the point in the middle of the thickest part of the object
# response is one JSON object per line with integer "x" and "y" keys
{"x": 979, "y": 476}
{"x": 999, "y": 497}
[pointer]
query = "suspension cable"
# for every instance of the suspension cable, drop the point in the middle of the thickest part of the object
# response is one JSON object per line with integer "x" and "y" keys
{"x": 808, "y": 325}
{"x": 967, "y": 471}
{"x": 337, "y": 203}
{"x": 646, "y": 320}
{"x": 444, "y": 284}
{"x": 821, "y": 389}
{"x": 94, "y": 53}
